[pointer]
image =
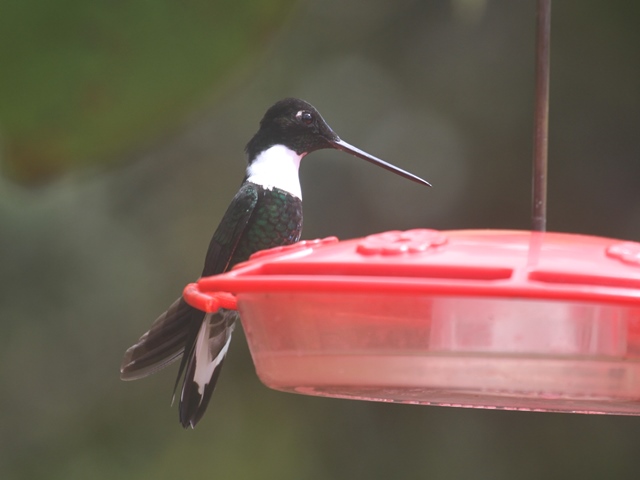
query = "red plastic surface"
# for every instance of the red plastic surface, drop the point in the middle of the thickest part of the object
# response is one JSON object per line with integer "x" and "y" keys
{"x": 209, "y": 301}
{"x": 470, "y": 263}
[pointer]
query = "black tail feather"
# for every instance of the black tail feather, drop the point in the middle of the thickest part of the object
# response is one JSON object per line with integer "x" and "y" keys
{"x": 192, "y": 404}
{"x": 204, "y": 364}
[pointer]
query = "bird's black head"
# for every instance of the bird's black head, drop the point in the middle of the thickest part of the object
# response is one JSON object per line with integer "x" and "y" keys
{"x": 299, "y": 126}
{"x": 295, "y": 124}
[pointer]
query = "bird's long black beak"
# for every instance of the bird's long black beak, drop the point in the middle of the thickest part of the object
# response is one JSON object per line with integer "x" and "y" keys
{"x": 345, "y": 147}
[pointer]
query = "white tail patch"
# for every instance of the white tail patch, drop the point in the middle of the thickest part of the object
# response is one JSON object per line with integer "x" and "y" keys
{"x": 206, "y": 364}
{"x": 277, "y": 167}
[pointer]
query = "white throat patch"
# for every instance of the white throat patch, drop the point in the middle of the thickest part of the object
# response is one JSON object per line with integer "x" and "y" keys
{"x": 277, "y": 167}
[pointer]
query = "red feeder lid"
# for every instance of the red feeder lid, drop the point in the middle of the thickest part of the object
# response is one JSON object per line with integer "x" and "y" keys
{"x": 486, "y": 318}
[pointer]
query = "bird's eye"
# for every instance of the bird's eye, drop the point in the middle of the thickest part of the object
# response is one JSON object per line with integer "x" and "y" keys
{"x": 304, "y": 117}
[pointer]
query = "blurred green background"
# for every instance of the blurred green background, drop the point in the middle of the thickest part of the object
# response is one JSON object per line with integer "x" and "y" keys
{"x": 122, "y": 127}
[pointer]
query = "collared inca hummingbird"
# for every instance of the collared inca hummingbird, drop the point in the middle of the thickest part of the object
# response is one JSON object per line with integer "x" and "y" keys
{"x": 266, "y": 212}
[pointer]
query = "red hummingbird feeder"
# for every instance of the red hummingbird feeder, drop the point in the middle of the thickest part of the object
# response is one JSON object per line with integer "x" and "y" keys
{"x": 524, "y": 320}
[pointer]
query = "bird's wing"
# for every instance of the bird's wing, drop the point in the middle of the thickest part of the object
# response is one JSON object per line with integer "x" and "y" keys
{"x": 207, "y": 341}
{"x": 178, "y": 327}
{"x": 161, "y": 345}
{"x": 228, "y": 234}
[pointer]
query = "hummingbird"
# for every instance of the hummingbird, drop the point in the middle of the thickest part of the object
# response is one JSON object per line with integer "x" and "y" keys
{"x": 266, "y": 212}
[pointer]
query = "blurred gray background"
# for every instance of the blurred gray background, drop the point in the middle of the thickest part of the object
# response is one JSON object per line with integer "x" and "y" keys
{"x": 122, "y": 128}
